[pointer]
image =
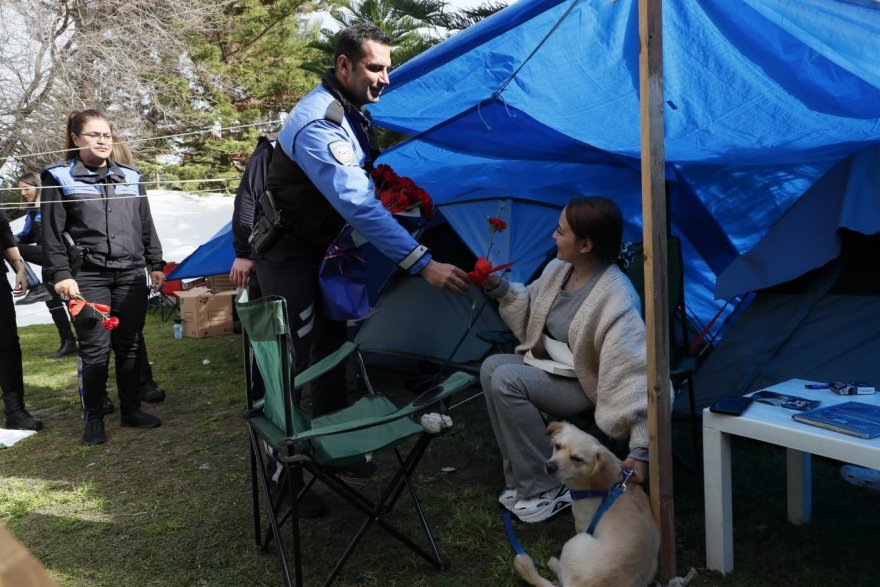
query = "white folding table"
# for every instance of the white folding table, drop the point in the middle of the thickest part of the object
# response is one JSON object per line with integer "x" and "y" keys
{"x": 774, "y": 425}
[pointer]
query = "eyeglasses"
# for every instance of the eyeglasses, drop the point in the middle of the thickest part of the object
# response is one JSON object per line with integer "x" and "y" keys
{"x": 94, "y": 136}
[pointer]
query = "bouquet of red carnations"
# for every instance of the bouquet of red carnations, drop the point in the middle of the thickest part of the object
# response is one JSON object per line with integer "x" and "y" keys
{"x": 399, "y": 194}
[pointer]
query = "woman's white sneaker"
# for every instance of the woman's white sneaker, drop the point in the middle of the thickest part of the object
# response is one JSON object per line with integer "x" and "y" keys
{"x": 508, "y": 498}
{"x": 543, "y": 506}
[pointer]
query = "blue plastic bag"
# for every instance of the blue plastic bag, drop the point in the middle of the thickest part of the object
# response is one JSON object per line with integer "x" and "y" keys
{"x": 342, "y": 277}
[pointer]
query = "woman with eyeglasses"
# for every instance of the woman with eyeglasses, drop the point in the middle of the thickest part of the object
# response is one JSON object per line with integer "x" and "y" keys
{"x": 98, "y": 236}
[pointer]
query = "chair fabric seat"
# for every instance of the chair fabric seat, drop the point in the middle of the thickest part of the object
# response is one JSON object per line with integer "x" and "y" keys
{"x": 339, "y": 450}
{"x": 343, "y": 449}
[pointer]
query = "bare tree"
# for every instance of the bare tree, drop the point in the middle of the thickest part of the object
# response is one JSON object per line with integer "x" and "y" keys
{"x": 128, "y": 58}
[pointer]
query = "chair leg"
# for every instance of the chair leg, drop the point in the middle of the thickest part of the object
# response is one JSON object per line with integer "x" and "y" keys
{"x": 440, "y": 560}
{"x": 255, "y": 499}
{"x": 375, "y": 513}
{"x": 273, "y": 523}
{"x": 294, "y": 515}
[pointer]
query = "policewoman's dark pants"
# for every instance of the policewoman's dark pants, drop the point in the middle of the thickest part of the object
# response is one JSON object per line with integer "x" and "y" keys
{"x": 290, "y": 270}
{"x": 11, "y": 377}
{"x": 34, "y": 254}
{"x": 125, "y": 291}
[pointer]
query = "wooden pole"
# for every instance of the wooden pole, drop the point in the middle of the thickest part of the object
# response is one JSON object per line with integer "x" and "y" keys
{"x": 656, "y": 278}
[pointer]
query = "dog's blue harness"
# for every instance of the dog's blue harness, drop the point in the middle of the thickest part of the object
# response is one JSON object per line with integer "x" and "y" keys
{"x": 609, "y": 498}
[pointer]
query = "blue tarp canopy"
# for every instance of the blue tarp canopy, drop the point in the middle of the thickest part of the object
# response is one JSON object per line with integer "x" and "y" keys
{"x": 215, "y": 257}
{"x": 540, "y": 102}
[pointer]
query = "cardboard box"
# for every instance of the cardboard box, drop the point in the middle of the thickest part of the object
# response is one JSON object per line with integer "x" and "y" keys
{"x": 205, "y": 313}
{"x": 218, "y": 283}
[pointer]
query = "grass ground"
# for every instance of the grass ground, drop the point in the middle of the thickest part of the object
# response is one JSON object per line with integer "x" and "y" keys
{"x": 171, "y": 506}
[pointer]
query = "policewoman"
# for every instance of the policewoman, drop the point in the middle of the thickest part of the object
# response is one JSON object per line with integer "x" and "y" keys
{"x": 103, "y": 207}
{"x": 319, "y": 177}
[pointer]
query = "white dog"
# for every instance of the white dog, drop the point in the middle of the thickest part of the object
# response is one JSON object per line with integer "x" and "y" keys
{"x": 623, "y": 549}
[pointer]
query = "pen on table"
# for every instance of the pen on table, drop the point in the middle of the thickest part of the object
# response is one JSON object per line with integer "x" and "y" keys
{"x": 817, "y": 386}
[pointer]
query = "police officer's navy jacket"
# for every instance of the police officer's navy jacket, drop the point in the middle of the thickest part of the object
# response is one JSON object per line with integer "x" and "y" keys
{"x": 320, "y": 177}
{"x": 106, "y": 212}
{"x": 7, "y": 241}
{"x": 31, "y": 232}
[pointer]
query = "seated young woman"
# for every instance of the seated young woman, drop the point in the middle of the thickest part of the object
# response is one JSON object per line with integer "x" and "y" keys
{"x": 584, "y": 299}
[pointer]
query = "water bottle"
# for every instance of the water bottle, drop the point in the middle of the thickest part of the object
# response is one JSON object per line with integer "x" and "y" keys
{"x": 178, "y": 329}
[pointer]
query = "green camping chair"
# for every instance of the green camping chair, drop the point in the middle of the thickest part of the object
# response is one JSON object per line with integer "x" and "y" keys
{"x": 326, "y": 444}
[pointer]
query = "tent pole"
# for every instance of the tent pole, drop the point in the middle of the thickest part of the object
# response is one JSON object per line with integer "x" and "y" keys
{"x": 656, "y": 278}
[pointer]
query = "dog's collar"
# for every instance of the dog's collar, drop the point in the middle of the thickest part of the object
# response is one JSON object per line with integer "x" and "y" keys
{"x": 589, "y": 493}
{"x": 616, "y": 491}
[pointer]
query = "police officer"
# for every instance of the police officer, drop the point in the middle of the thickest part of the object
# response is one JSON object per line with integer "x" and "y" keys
{"x": 103, "y": 207}
{"x": 11, "y": 376}
{"x": 319, "y": 176}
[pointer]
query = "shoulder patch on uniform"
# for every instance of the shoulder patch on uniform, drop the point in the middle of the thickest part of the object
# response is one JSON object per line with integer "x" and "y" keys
{"x": 342, "y": 152}
{"x": 335, "y": 112}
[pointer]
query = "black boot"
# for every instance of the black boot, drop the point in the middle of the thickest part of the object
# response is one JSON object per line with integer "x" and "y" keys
{"x": 67, "y": 348}
{"x": 34, "y": 295}
{"x": 107, "y": 406}
{"x": 17, "y": 418}
{"x": 150, "y": 392}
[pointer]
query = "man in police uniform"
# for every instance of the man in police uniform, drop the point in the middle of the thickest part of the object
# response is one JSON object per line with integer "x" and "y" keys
{"x": 319, "y": 177}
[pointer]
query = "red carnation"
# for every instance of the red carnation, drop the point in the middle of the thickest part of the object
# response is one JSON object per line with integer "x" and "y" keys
{"x": 110, "y": 323}
{"x": 483, "y": 267}
{"x": 496, "y": 224}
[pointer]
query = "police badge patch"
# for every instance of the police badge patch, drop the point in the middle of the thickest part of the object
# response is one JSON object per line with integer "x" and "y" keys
{"x": 342, "y": 152}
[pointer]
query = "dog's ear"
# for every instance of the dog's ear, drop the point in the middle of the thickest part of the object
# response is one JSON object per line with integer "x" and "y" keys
{"x": 554, "y": 428}
{"x": 603, "y": 474}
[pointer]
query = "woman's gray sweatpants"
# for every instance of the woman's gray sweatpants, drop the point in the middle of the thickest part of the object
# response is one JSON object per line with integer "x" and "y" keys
{"x": 516, "y": 395}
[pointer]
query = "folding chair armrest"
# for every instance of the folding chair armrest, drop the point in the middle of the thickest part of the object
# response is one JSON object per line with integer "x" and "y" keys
{"x": 454, "y": 383}
{"x": 326, "y": 364}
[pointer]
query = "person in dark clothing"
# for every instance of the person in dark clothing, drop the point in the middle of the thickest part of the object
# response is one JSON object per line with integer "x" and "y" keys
{"x": 249, "y": 190}
{"x": 30, "y": 247}
{"x": 149, "y": 390}
{"x": 103, "y": 208}
{"x": 11, "y": 376}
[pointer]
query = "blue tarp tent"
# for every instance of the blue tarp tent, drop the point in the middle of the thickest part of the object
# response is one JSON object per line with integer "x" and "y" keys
{"x": 215, "y": 257}
{"x": 540, "y": 102}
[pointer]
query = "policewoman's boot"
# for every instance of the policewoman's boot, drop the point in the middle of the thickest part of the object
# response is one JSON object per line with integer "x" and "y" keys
{"x": 17, "y": 418}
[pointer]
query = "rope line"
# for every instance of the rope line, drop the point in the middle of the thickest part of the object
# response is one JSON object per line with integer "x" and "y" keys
{"x": 552, "y": 30}
{"x": 154, "y": 182}
{"x": 212, "y": 129}
{"x": 18, "y": 205}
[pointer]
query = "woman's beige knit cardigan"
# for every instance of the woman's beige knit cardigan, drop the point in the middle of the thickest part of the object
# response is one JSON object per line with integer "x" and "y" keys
{"x": 607, "y": 338}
